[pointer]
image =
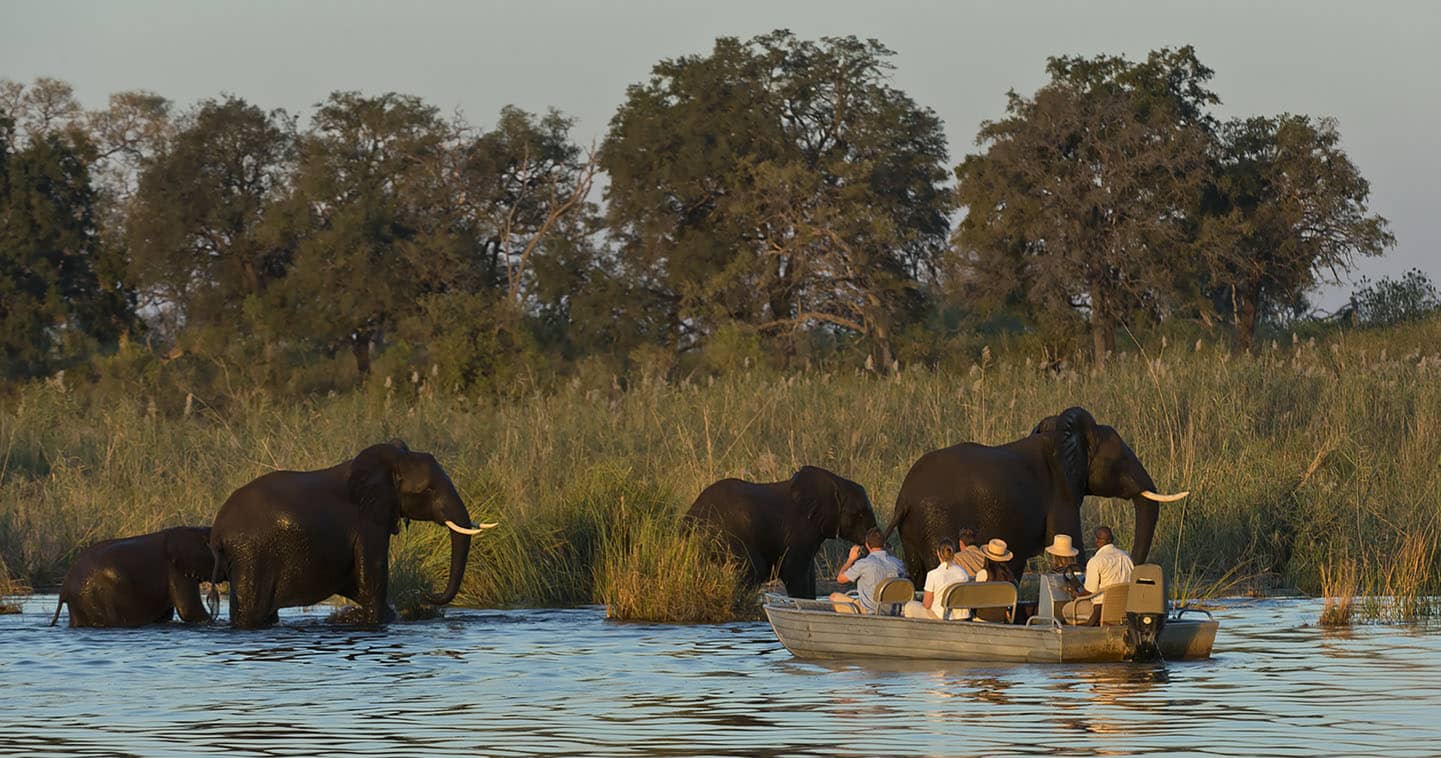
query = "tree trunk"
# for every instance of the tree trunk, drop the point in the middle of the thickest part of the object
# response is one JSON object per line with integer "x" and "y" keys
{"x": 360, "y": 348}
{"x": 1246, "y": 309}
{"x": 1103, "y": 334}
{"x": 877, "y": 324}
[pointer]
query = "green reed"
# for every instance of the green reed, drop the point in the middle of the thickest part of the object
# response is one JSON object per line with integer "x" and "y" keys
{"x": 1301, "y": 450}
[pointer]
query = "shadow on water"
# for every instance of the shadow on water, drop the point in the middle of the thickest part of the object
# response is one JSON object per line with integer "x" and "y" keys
{"x": 566, "y": 681}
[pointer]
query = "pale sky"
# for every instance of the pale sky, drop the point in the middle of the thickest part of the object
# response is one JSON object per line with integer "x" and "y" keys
{"x": 1371, "y": 65}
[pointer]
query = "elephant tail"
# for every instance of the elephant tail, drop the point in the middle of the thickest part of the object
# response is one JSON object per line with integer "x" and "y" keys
{"x": 903, "y": 510}
{"x": 59, "y": 603}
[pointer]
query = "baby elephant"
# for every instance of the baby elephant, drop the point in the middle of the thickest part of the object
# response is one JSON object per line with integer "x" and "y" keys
{"x": 134, "y": 581}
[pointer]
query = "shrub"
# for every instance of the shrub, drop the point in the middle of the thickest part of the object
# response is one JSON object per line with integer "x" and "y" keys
{"x": 1388, "y": 302}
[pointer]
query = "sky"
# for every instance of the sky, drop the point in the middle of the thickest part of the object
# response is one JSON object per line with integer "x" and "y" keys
{"x": 1373, "y": 66}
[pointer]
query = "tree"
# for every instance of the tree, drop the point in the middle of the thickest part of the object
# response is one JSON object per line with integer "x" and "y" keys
{"x": 198, "y": 234}
{"x": 47, "y": 106}
{"x": 779, "y": 183}
{"x": 371, "y": 242}
{"x": 1084, "y": 197}
{"x": 59, "y": 285}
{"x": 520, "y": 182}
{"x": 1286, "y": 207}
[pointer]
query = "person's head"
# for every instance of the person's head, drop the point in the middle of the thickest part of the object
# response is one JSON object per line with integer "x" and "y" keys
{"x": 875, "y": 540}
{"x": 968, "y": 537}
{"x": 997, "y": 552}
{"x": 1061, "y": 552}
{"x": 945, "y": 550}
{"x": 1104, "y": 536}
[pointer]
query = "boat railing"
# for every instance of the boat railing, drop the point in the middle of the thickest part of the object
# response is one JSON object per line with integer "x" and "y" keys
{"x": 1050, "y": 621}
{"x": 1180, "y": 612}
{"x": 799, "y": 603}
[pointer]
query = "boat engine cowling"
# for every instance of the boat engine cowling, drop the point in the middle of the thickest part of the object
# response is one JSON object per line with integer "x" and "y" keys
{"x": 1145, "y": 613}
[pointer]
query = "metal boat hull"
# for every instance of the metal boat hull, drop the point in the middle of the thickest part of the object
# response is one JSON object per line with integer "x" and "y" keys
{"x": 816, "y": 633}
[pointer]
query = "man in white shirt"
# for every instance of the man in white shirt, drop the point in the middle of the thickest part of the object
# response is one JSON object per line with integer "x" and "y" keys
{"x": 1110, "y": 565}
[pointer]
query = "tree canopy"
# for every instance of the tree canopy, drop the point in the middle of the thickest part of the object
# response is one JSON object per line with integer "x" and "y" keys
{"x": 781, "y": 184}
{"x": 772, "y": 198}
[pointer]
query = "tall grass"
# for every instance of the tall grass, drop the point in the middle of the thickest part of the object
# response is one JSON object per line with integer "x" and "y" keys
{"x": 650, "y": 569}
{"x": 10, "y": 589}
{"x": 1340, "y": 581}
{"x": 1299, "y": 452}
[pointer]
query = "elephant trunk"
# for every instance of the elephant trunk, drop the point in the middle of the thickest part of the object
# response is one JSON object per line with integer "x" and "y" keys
{"x": 455, "y": 516}
{"x": 1147, "y": 513}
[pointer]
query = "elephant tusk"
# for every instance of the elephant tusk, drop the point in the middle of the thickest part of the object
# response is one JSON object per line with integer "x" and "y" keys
{"x": 1158, "y": 497}
{"x": 464, "y": 530}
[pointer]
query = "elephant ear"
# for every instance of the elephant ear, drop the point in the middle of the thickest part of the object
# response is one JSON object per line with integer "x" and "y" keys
{"x": 814, "y": 489}
{"x": 1074, "y": 427}
{"x": 372, "y": 485}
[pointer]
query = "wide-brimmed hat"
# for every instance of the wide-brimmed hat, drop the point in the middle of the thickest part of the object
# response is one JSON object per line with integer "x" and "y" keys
{"x": 1062, "y": 547}
{"x": 996, "y": 550}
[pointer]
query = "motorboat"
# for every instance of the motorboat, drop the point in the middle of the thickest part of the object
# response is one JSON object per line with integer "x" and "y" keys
{"x": 1136, "y": 624}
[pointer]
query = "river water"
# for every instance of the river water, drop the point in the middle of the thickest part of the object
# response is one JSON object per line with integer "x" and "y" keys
{"x": 568, "y": 682}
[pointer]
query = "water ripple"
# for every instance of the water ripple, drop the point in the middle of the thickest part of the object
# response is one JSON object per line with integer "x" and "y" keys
{"x": 565, "y": 680}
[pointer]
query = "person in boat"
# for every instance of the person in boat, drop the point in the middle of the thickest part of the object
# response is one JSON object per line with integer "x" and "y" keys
{"x": 946, "y": 573}
{"x": 1062, "y": 583}
{"x": 867, "y": 572}
{"x": 1062, "y": 554}
{"x": 969, "y": 556}
{"x": 997, "y": 569}
{"x": 1109, "y": 565}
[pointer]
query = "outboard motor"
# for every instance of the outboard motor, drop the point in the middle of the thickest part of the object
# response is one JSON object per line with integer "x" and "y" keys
{"x": 1145, "y": 612}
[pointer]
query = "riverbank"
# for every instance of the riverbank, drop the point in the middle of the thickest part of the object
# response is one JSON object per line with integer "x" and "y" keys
{"x": 1308, "y": 452}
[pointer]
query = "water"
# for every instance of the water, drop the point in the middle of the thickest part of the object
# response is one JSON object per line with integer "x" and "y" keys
{"x": 569, "y": 682}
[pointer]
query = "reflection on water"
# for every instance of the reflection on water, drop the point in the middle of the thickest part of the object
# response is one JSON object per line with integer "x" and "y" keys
{"x": 566, "y": 681}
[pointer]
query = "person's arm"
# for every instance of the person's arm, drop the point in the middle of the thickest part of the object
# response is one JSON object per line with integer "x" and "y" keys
{"x": 850, "y": 561}
{"x": 927, "y": 599}
{"x": 1093, "y": 579}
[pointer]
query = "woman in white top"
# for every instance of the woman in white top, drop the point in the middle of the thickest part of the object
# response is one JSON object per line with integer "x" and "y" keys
{"x": 948, "y": 572}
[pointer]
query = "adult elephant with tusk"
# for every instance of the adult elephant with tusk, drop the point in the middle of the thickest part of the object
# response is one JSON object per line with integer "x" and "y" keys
{"x": 295, "y": 538}
{"x": 1024, "y": 492}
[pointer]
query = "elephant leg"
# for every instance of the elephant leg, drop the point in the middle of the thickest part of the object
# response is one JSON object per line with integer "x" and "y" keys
{"x": 757, "y": 571}
{"x": 372, "y": 578}
{"x": 799, "y": 573}
{"x": 251, "y": 596}
{"x": 912, "y": 545}
{"x": 185, "y": 598}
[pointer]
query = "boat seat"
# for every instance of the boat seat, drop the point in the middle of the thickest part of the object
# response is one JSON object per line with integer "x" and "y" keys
{"x": 1051, "y": 597}
{"x": 892, "y": 594}
{"x": 1148, "y": 590}
{"x": 975, "y": 595}
{"x": 1113, "y": 603}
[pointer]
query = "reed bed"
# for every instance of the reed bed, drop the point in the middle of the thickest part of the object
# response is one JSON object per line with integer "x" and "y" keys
{"x": 1307, "y": 449}
{"x": 11, "y": 589}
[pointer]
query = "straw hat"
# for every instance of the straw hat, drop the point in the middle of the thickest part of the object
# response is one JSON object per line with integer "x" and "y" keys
{"x": 996, "y": 551}
{"x": 1062, "y": 547}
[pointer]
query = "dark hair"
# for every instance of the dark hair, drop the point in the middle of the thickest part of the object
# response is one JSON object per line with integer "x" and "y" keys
{"x": 968, "y": 536}
{"x": 874, "y": 538}
{"x": 1104, "y": 535}
{"x": 946, "y": 548}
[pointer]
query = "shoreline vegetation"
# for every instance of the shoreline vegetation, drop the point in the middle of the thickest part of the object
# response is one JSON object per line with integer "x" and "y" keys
{"x": 1312, "y": 464}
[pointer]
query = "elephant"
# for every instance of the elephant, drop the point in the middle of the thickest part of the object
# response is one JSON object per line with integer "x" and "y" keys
{"x": 784, "y": 523}
{"x": 134, "y": 581}
{"x": 1024, "y": 492}
{"x": 292, "y": 538}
